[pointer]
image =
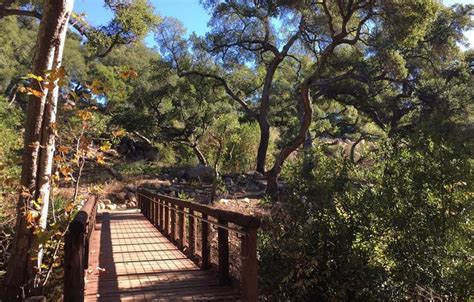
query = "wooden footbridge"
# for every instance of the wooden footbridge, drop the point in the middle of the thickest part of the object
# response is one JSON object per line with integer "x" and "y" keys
{"x": 167, "y": 250}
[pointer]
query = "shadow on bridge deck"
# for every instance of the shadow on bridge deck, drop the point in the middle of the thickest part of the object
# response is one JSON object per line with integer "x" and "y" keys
{"x": 130, "y": 260}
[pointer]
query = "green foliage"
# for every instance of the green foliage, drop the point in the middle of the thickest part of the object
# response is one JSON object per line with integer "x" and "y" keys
{"x": 11, "y": 120}
{"x": 373, "y": 231}
{"x": 137, "y": 168}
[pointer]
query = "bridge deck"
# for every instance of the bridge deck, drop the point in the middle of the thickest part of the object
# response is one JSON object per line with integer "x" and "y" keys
{"x": 130, "y": 260}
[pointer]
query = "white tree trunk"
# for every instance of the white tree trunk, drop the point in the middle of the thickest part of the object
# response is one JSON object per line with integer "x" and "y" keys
{"x": 49, "y": 135}
{"x": 38, "y": 150}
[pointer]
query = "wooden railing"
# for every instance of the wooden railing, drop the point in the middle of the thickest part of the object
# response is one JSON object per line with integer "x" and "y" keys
{"x": 168, "y": 215}
{"x": 76, "y": 250}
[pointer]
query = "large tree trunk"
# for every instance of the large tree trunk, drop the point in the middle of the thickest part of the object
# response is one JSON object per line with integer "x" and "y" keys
{"x": 263, "y": 115}
{"x": 306, "y": 105}
{"x": 36, "y": 168}
{"x": 263, "y": 145}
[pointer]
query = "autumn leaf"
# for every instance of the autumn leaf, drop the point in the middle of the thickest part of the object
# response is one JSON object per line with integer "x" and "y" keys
{"x": 130, "y": 73}
{"x": 49, "y": 85}
{"x": 63, "y": 149}
{"x": 100, "y": 160}
{"x": 105, "y": 146}
{"x": 36, "y": 93}
{"x": 65, "y": 170}
{"x": 119, "y": 132}
{"x": 68, "y": 208}
{"x": 85, "y": 115}
{"x": 96, "y": 87}
{"x": 30, "y": 91}
{"x": 31, "y": 216}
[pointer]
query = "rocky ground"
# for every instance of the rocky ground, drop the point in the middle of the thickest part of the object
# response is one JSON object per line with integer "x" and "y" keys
{"x": 242, "y": 193}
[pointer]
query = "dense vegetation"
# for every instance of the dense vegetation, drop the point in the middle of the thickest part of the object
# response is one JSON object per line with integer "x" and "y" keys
{"x": 358, "y": 113}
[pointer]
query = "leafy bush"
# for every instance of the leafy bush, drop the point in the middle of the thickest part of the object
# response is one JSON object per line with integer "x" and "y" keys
{"x": 372, "y": 231}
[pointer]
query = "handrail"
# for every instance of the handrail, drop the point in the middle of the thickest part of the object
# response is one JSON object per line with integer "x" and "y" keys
{"x": 168, "y": 215}
{"x": 76, "y": 250}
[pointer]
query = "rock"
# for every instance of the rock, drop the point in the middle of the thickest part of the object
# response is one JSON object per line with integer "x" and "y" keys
{"x": 164, "y": 183}
{"x": 255, "y": 175}
{"x": 120, "y": 197}
{"x": 111, "y": 206}
{"x": 131, "y": 205}
{"x": 172, "y": 194}
{"x": 101, "y": 206}
{"x": 228, "y": 181}
{"x": 246, "y": 200}
{"x": 199, "y": 172}
{"x": 131, "y": 188}
{"x": 131, "y": 196}
{"x": 106, "y": 201}
{"x": 224, "y": 201}
{"x": 122, "y": 206}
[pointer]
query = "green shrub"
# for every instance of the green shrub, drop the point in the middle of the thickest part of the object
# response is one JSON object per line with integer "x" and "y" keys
{"x": 372, "y": 231}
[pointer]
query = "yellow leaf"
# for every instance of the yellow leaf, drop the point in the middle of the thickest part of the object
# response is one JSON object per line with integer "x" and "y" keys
{"x": 36, "y": 77}
{"x": 85, "y": 115}
{"x": 105, "y": 146}
{"x": 100, "y": 160}
{"x": 119, "y": 132}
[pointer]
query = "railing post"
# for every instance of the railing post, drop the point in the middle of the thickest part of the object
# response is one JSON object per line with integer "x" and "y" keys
{"x": 180, "y": 227}
{"x": 161, "y": 215}
{"x": 192, "y": 234}
{"x": 167, "y": 217}
{"x": 249, "y": 278}
{"x": 74, "y": 267}
{"x": 76, "y": 251}
{"x": 223, "y": 250}
{"x": 173, "y": 222}
{"x": 205, "y": 244}
{"x": 152, "y": 218}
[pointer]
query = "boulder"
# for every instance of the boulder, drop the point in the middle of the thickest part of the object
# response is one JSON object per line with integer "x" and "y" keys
{"x": 111, "y": 206}
{"x": 131, "y": 196}
{"x": 199, "y": 172}
{"x": 120, "y": 197}
{"x": 131, "y": 188}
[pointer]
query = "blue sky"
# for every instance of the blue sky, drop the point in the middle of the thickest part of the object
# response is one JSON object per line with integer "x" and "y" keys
{"x": 190, "y": 12}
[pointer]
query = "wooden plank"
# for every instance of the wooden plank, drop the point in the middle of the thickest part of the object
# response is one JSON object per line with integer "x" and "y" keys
{"x": 135, "y": 267}
{"x": 223, "y": 250}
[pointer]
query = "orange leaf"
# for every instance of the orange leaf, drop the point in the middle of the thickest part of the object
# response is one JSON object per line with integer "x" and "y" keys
{"x": 63, "y": 149}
